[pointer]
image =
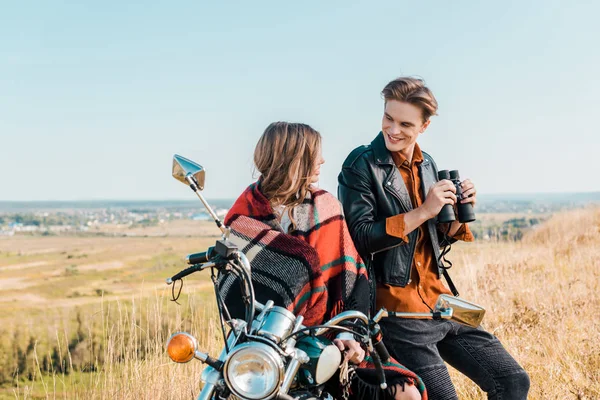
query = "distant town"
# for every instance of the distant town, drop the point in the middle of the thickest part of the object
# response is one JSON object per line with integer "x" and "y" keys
{"x": 85, "y": 217}
{"x": 50, "y": 218}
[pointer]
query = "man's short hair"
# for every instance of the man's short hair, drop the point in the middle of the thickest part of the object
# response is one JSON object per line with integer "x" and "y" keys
{"x": 413, "y": 91}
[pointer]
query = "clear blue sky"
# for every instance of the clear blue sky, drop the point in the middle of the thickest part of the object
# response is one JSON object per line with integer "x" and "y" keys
{"x": 95, "y": 97}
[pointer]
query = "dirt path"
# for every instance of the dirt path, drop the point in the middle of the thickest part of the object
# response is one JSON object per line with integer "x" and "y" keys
{"x": 24, "y": 265}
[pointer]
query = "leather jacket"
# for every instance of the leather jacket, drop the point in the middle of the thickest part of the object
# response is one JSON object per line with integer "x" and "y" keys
{"x": 371, "y": 189}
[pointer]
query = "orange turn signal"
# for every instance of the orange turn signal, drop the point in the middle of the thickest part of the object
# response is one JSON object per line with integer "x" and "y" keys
{"x": 181, "y": 347}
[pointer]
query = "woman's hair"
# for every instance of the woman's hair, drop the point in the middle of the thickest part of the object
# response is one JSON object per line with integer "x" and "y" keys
{"x": 413, "y": 91}
{"x": 285, "y": 157}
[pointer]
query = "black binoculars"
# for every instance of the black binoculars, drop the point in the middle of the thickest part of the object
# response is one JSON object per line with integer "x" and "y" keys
{"x": 464, "y": 210}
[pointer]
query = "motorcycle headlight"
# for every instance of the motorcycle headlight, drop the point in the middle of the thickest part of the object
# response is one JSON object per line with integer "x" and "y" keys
{"x": 254, "y": 371}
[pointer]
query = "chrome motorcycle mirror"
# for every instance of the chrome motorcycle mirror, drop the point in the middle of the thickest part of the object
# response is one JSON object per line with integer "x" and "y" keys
{"x": 463, "y": 311}
{"x": 184, "y": 169}
{"x": 192, "y": 174}
{"x": 446, "y": 307}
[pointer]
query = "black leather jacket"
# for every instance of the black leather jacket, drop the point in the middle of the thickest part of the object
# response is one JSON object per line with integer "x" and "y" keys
{"x": 372, "y": 189}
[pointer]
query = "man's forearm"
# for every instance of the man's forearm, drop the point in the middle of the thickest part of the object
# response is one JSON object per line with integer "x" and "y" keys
{"x": 415, "y": 218}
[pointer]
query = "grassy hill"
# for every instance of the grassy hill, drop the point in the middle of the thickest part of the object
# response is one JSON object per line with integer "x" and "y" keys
{"x": 542, "y": 300}
{"x": 88, "y": 317}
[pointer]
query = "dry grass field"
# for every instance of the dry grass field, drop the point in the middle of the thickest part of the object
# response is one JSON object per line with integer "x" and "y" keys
{"x": 94, "y": 312}
{"x": 542, "y": 300}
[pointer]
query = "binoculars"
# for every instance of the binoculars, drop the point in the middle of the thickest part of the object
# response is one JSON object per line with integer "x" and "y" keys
{"x": 465, "y": 211}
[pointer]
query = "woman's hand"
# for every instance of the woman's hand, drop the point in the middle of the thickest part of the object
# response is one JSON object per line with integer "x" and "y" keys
{"x": 353, "y": 352}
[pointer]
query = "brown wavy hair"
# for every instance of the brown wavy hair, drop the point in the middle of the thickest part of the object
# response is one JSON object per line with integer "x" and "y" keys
{"x": 285, "y": 157}
{"x": 413, "y": 91}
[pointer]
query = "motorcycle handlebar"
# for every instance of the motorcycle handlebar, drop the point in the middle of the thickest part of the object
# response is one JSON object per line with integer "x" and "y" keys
{"x": 379, "y": 370}
{"x": 382, "y": 351}
{"x": 200, "y": 258}
{"x": 377, "y": 339}
{"x": 379, "y": 352}
{"x": 343, "y": 316}
{"x": 188, "y": 271}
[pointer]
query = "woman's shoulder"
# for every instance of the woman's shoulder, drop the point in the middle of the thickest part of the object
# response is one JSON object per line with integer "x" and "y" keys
{"x": 323, "y": 199}
{"x": 251, "y": 203}
{"x": 323, "y": 195}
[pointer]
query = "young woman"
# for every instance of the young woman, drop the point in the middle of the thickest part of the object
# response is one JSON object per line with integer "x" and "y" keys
{"x": 301, "y": 253}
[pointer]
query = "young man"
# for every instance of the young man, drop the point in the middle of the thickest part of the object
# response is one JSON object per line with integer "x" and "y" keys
{"x": 391, "y": 197}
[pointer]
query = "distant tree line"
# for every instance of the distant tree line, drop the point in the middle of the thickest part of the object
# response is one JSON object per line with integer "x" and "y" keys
{"x": 41, "y": 220}
{"x": 512, "y": 229}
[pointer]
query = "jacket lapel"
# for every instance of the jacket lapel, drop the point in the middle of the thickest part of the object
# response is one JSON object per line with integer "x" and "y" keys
{"x": 393, "y": 182}
{"x": 427, "y": 175}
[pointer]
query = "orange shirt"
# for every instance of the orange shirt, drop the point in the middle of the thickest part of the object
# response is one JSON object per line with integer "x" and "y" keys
{"x": 424, "y": 286}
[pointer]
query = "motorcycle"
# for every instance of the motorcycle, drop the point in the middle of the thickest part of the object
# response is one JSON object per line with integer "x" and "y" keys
{"x": 269, "y": 353}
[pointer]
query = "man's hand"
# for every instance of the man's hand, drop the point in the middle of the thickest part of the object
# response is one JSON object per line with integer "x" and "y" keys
{"x": 440, "y": 194}
{"x": 469, "y": 193}
{"x": 354, "y": 353}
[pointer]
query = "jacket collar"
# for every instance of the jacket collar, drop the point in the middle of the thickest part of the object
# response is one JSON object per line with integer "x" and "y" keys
{"x": 380, "y": 153}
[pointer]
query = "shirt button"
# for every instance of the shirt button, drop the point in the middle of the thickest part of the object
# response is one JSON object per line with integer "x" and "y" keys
{"x": 418, "y": 263}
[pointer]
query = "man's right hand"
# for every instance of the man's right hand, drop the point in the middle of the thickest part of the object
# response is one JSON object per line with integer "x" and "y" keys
{"x": 440, "y": 194}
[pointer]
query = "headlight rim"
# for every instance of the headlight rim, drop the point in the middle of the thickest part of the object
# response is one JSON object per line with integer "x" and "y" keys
{"x": 271, "y": 353}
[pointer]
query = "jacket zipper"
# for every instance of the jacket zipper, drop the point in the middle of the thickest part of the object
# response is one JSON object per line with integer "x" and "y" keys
{"x": 384, "y": 249}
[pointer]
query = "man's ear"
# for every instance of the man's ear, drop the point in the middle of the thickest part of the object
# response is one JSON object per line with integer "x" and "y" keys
{"x": 425, "y": 125}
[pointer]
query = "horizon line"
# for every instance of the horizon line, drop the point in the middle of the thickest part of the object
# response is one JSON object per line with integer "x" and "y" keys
{"x": 233, "y": 198}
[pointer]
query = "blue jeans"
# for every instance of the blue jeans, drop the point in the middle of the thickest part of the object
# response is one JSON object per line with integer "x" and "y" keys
{"x": 423, "y": 346}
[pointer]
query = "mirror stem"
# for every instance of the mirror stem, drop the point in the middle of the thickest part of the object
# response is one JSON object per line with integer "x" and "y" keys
{"x": 194, "y": 186}
{"x": 444, "y": 314}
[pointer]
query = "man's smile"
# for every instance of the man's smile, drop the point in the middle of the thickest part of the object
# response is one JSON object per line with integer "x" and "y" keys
{"x": 393, "y": 139}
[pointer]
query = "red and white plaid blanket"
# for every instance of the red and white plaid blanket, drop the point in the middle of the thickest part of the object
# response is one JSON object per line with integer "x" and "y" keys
{"x": 315, "y": 271}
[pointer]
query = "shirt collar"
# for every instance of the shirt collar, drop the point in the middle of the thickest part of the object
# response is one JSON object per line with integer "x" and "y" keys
{"x": 400, "y": 159}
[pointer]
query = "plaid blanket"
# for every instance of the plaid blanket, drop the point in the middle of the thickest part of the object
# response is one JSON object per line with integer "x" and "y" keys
{"x": 367, "y": 384}
{"x": 314, "y": 271}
